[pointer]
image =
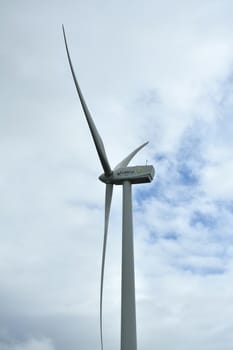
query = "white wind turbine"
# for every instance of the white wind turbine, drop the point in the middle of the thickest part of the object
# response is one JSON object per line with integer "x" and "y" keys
{"x": 126, "y": 176}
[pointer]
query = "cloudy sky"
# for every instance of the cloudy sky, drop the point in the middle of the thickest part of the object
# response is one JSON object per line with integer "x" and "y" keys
{"x": 150, "y": 70}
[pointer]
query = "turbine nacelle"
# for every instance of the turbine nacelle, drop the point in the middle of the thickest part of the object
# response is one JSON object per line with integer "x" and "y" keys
{"x": 134, "y": 174}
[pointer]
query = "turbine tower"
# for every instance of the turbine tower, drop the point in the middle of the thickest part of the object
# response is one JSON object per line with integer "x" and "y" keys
{"x": 123, "y": 175}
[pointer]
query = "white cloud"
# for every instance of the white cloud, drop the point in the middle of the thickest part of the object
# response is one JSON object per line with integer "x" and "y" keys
{"x": 32, "y": 344}
{"x": 153, "y": 71}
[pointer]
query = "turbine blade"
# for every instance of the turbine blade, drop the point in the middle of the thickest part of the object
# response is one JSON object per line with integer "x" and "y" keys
{"x": 108, "y": 200}
{"x": 126, "y": 160}
{"x": 94, "y": 132}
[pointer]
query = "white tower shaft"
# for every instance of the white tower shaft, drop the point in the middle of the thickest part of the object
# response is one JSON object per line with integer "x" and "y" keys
{"x": 128, "y": 311}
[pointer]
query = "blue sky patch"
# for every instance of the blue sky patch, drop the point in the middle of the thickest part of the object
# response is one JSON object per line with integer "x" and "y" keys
{"x": 203, "y": 219}
{"x": 186, "y": 175}
{"x": 171, "y": 236}
{"x": 203, "y": 270}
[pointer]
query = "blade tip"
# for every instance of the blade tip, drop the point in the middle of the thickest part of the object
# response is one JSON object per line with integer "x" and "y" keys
{"x": 63, "y": 30}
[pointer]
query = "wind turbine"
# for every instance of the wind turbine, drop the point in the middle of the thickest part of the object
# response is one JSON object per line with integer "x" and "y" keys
{"x": 123, "y": 175}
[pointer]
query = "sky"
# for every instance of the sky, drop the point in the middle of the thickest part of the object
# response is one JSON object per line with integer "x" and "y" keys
{"x": 150, "y": 71}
